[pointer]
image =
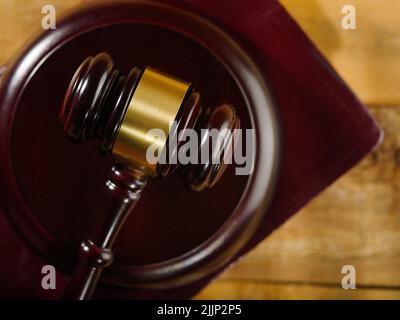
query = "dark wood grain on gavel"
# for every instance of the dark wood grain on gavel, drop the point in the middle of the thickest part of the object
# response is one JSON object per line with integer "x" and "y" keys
{"x": 95, "y": 105}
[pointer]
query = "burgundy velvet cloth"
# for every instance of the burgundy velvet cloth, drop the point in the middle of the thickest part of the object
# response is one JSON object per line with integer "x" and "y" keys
{"x": 325, "y": 131}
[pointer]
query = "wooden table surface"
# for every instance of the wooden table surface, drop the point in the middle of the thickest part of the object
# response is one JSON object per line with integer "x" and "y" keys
{"x": 356, "y": 221}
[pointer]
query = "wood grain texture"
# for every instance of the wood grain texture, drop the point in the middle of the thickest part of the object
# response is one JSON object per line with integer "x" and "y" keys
{"x": 357, "y": 220}
{"x": 232, "y": 290}
{"x": 367, "y": 58}
{"x": 20, "y": 20}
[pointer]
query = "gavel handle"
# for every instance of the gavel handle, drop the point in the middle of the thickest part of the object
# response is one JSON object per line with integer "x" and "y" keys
{"x": 93, "y": 258}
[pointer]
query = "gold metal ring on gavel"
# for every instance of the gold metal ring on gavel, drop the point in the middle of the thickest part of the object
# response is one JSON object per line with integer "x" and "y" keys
{"x": 154, "y": 105}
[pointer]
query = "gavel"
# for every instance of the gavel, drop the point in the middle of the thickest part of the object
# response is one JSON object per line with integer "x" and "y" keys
{"x": 119, "y": 111}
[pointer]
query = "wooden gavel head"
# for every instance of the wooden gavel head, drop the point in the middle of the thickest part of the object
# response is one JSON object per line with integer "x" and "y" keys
{"x": 120, "y": 111}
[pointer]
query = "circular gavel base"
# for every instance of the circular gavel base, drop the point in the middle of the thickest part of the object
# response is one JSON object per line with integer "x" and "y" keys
{"x": 55, "y": 189}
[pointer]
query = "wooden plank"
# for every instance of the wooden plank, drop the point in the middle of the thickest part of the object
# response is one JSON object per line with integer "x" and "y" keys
{"x": 367, "y": 58}
{"x": 232, "y": 290}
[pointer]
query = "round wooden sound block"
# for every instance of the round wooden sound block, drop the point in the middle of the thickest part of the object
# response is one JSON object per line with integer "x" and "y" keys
{"x": 53, "y": 190}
